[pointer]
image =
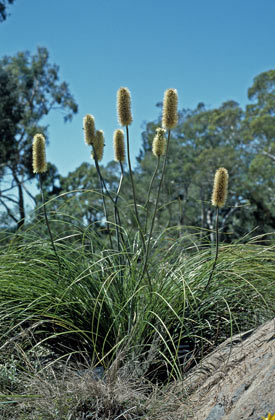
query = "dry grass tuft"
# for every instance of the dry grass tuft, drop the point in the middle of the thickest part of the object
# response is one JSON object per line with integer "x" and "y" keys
{"x": 59, "y": 390}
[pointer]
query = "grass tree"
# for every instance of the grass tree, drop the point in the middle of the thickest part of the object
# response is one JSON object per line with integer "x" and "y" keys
{"x": 39, "y": 167}
{"x": 102, "y": 309}
{"x": 219, "y": 196}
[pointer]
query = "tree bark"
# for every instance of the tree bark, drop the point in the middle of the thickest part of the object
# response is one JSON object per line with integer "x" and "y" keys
{"x": 203, "y": 215}
{"x": 21, "y": 206}
{"x": 211, "y": 225}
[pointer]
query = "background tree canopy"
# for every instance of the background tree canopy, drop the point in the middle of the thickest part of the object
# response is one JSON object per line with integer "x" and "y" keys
{"x": 3, "y": 9}
{"x": 205, "y": 139}
{"x": 30, "y": 89}
{"x": 241, "y": 140}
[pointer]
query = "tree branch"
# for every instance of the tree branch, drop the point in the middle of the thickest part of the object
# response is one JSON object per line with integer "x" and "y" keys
{"x": 269, "y": 155}
{"x": 228, "y": 214}
{"x": 9, "y": 212}
{"x": 6, "y": 197}
{"x": 29, "y": 194}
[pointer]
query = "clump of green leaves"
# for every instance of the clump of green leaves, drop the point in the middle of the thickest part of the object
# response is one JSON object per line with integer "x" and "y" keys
{"x": 9, "y": 375}
{"x": 129, "y": 295}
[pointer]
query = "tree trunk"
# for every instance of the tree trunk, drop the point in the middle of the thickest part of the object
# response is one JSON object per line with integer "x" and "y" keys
{"x": 21, "y": 207}
{"x": 203, "y": 216}
{"x": 211, "y": 225}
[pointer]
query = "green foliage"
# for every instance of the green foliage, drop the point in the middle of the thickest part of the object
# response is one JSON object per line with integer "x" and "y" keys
{"x": 3, "y": 9}
{"x": 97, "y": 309}
{"x": 205, "y": 139}
{"x": 33, "y": 91}
{"x": 9, "y": 375}
{"x": 129, "y": 284}
{"x": 11, "y": 111}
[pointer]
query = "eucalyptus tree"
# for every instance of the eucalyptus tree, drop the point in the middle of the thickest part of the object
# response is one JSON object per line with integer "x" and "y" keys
{"x": 204, "y": 140}
{"x": 3, "y": 9}
{"x": 260, "y": 134}
{"x": 242, "y": 141}
{"x": 36, "y": 91}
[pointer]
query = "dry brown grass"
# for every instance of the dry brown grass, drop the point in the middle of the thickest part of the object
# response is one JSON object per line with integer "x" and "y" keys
{"x": 48, "y": 389}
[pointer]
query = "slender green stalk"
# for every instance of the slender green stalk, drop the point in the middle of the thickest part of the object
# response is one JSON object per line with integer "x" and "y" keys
{"x": 114, "y": 201}
{"x": 102, "y": 184}
{"x": 101, "y": 177}
{"x": 149, "y": 192}
{"x": 217, "y": 250}
{"x": 134, "y": 189}
{"x": 117, "y": 215}
{"x": 156, "y": 205}
{"x": 47, "y": 221}
{"x": 135, "y": 206}
{"x": 117, "y": 219}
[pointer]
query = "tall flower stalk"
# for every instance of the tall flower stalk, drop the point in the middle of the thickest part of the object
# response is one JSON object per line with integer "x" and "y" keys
{"x": 169, "y": 121}
{"x": 125, "y": 119}
{"x": 219, "y": 196}
{"x": 39, "y": 165}
{"x": 95, "y": 138}
{"x": 158, "y": 150}
{"x": 102, "y": 186}
{"x": 119, "y": 154}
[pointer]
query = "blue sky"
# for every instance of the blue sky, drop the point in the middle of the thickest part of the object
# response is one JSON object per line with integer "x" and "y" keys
{"x": 209, "y": 50}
